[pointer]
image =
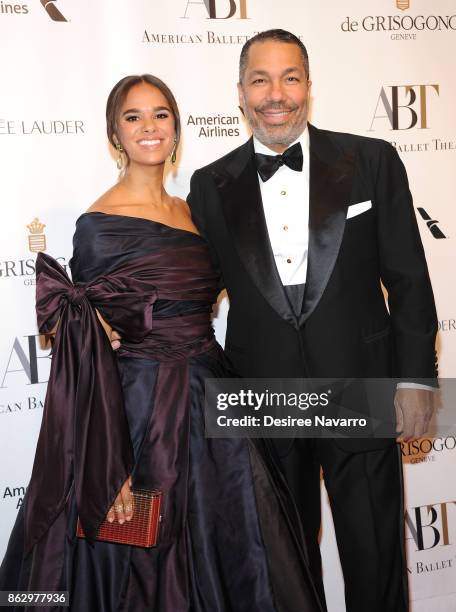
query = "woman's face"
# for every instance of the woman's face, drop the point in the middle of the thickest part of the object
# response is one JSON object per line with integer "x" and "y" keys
{"x": 146, "y": 125}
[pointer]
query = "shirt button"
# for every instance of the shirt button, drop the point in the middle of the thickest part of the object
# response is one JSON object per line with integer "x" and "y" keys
{"x": 288, "y": 260}
{"x": 285, "y": 228}
{"x": 283, "y": 192}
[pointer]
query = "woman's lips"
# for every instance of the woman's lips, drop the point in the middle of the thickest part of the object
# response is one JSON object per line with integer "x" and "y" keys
{"x": 149, "y": 143}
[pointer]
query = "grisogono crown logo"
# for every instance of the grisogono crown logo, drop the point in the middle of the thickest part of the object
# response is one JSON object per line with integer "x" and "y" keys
{"x": 403, "y": 5}
{"x": 414, "y": 109}
{"x": 52, "y": 10}
{"x": 37, "y": 239}
{"x": 213, "y": 8}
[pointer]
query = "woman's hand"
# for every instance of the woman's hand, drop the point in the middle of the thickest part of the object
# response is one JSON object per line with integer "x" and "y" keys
{"x": 115, "y": 340}
{"x": 123, "y": 504}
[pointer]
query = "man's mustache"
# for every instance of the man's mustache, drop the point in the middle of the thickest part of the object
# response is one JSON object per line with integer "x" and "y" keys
{"x": 276, "y": 106}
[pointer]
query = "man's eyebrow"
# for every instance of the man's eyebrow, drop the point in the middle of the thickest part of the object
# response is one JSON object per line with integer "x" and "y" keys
{"x": 292, "y": 69}
{"x": 259, "y": 72}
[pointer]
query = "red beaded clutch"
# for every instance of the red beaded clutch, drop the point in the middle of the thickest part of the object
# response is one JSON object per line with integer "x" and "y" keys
{"x": 142, "y": 530}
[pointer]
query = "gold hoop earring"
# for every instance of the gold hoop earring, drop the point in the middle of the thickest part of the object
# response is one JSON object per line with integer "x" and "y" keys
{"x": 174, "y": 153}
{"x": 119, "y": 162}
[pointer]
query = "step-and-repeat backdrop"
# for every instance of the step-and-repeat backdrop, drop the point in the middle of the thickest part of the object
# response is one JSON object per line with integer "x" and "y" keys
{"x": 383, "y": 68}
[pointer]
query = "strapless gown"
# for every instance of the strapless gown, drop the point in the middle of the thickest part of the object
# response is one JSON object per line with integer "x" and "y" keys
{"x": 230, "y": 538}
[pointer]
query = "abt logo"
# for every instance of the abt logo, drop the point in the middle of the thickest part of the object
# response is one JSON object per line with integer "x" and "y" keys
{"x": 405, "y": 106}
{"x": 28, "y": 359}
{"x": 430, "y": 526}
{"x": 432, "y": 224}
{"x": 218, "y": 9}
{"x": 52, "y": 10}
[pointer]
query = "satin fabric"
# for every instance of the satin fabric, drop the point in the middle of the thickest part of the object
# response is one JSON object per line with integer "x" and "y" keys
{"x": 229, "y": 526}
{"x": 267, "y": 165}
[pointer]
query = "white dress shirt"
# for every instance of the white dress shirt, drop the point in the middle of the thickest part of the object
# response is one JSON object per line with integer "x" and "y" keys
{"x": 286, "y": 208}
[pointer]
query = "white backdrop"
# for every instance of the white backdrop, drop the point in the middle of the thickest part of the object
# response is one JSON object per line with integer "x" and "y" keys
{"x": 382, "y": 68}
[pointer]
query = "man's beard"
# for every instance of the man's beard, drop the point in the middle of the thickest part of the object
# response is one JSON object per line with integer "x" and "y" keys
{"x": 276, "y": 135}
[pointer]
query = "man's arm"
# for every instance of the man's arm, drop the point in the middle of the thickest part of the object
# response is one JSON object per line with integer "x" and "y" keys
{"x": 414, "y": 410}
{"x": 404, "y": 273}
{"x": 198, "y": 201}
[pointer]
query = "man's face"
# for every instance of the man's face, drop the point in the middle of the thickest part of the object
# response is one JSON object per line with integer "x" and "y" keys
{"x": 274, "y": 93}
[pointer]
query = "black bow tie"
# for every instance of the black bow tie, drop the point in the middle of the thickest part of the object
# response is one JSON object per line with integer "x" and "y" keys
{"x": 267, "y": 165}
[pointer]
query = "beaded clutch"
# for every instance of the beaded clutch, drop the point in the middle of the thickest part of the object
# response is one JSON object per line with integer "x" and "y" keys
{"x": 142, "y": 530}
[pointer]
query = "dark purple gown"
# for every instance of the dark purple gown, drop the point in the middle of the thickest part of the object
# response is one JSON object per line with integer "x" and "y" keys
{"x": 230, "y": 539}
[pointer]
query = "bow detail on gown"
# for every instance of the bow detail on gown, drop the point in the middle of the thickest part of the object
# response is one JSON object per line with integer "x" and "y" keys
{"x": 85, "y": 434}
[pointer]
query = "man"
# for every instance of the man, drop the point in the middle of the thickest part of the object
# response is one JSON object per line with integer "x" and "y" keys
{"x": 304, "y": 223}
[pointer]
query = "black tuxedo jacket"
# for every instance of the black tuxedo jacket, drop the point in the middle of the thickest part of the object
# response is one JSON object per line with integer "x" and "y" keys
{"x": 345, "y": 329}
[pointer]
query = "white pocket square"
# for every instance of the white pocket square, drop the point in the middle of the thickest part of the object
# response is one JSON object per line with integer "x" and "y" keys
{"x": 357, "y": 209}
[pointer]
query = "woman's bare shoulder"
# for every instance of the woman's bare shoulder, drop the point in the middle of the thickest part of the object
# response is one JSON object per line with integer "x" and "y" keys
{"x": 108, "y": 202}
{"x": 184, "y": 216}
{"x": 182, "y": 206}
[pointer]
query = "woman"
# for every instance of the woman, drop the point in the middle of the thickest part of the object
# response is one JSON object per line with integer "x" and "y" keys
{"x": 135, "y": 418}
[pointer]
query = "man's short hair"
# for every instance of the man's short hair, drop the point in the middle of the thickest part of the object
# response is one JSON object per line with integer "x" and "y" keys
{"x": 279, "y": 36}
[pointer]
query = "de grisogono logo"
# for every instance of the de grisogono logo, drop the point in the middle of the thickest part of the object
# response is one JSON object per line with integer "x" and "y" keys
{"x": 37, "y": 237}
{"x": 216, "y": 9}
{"x": 401, "y": 26}
{"x": 24, "y": 268}
{"x": 404, "y": 106}
{"x": 425, "y": 450}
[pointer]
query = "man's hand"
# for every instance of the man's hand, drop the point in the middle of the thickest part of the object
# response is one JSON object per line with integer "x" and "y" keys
{"x": 414, "y": 409}
{"x": 123, "y": 504}
{"x": 115, "y": 340}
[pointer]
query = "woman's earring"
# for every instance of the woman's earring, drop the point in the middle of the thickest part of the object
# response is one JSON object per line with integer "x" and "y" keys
{"x": 120, "y": 150}
{"x": 173, "y": 154}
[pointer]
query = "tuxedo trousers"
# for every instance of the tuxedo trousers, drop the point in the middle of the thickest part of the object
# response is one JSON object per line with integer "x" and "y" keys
{"x": 365, "y": 491}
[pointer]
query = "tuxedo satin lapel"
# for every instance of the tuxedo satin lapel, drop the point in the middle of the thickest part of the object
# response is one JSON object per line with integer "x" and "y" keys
{"x": 329, "y": 190}
{"x": 243, "y": 209}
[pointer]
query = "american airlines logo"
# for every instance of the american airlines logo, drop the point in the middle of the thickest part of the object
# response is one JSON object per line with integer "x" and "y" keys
{"x": 431, "y": 223}
{"x": 52, "y": 10}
